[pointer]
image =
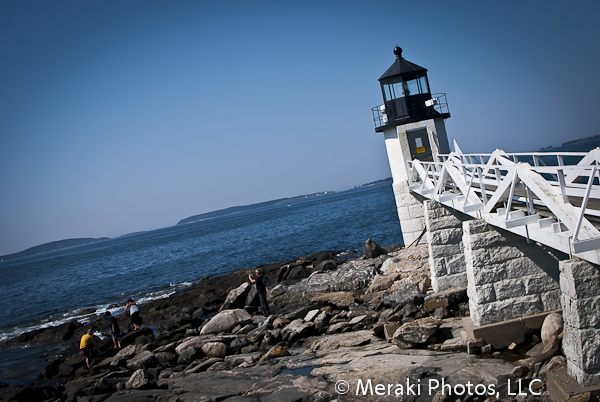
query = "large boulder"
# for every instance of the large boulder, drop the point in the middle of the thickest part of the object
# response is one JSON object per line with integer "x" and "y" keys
{"x": 56, "y": 334}
{"x": 214, "y": 349}
{"x": 199, "y": 341}
{"x": 225, "y": 321}
{"x": 188, "y": 355}
{"x": 236, "y": 297}
{"x": 144, "y": 360}
{"x": 138, "y": 380}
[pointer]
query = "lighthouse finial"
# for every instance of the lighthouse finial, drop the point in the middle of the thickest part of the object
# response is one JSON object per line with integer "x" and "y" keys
{"x": 398, "y": 52}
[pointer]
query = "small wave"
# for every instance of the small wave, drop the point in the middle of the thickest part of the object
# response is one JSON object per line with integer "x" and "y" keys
{"x": 85, "y": 318}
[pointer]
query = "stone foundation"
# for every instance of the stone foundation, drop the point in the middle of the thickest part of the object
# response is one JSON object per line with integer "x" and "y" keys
{"x": 508, "y": 277}
{"x": 410, "y": 212}
{"x": 580, "y": 285}
{"x": 446, "y": 253}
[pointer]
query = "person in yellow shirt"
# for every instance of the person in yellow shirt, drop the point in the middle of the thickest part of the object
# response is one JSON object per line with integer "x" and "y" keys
{"x": 86, "y": 344}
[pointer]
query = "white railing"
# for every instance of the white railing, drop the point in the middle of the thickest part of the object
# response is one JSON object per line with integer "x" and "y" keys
{"x": 551, "y": 198}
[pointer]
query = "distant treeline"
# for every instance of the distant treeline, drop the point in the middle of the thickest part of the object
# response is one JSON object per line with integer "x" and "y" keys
{"x": 573, "y": 142}
{"x": 245, "y": 208}
{"x": 381, "y": 181}
{"x": 54, "y": 245}
{"x": 595, "y": 137}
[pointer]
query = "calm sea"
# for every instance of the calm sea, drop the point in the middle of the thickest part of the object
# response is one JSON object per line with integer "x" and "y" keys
{"x": 52, "y": 288}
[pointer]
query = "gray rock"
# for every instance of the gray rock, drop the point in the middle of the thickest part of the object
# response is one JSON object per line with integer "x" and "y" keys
{"x": 338, "y": 327}
{"x": 339, "y": 299}
{"x": 252, "y": 297}
{"x": 248, "y": 358}
{"x": 165, "y": 358}
{"x": 552, "y": 326}
{"x": 236, "y": 298}
{"x": 331, "y": 342}
{"x": 214, "y": 349}
{"x": 357, "y": 319}
{"x": 297, "y": 329}
{"x": 218, "y": 366}
{"x": 327, "y": 265}
{"x": 139, "y": 379}
{"x": 409, "y": 294}
{"x": 199, "y": 341}
{"x": 258, "y": 333}
{"x": 390, "y": 329}
{"x": 322, "y": 319}
{"x": 202, "y": 366}
{"x": 225, "y": 321}
{"x": 417, "y": 331}
{"x": 144, "y": 360}
{"x": 188, "y": 355}
{"x": 123, "y": 355}
{"x": 239, "y": 343}
{"x": 310, "y": 316}
{"x": 65, "y": 370}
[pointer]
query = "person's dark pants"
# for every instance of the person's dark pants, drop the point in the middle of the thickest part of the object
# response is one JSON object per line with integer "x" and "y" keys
{"x": 262, "y": 297}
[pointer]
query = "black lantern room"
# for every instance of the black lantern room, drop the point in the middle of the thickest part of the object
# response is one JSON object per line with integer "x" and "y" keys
{"x": 407, "y": 97}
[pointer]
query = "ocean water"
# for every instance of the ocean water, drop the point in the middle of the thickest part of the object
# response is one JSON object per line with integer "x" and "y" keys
{"x": 51, "y": 288}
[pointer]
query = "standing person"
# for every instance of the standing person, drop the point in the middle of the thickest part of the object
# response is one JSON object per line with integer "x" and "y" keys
{"x": 87, "y": 341}
{"x": 134, "y": 311}
{"x": 115, "y": 331}
{"x": 257, "y": 280}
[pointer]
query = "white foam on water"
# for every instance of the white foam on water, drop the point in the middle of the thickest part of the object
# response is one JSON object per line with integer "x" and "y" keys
{"x": 85, "y": 318}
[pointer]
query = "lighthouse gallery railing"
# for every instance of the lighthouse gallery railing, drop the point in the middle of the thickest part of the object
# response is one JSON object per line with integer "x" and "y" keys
{"x": 550, "y": 198}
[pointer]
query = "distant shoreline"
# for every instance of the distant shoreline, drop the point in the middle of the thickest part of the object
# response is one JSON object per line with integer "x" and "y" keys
{"x": 68, "y": 243}
{"x": 572, "y": 142}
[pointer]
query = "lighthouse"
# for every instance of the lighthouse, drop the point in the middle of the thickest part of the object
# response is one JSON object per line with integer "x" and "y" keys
{"x": 411, "y": 119}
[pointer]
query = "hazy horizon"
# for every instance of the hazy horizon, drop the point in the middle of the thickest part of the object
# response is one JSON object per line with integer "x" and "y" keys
{"x": 121, "y": 117}
{"x": 207, "y": 212}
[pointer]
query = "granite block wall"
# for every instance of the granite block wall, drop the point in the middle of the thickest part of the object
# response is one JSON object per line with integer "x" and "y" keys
{"x": 508, "y": 277}
{"x": 580, "y": 285}
{"x": 446, "y": 252}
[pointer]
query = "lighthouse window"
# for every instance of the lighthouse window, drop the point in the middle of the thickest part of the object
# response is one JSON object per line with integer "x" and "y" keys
{"x": 393, "y": 91}
{"x": 423, "y": 85}
{"x": 388, "y": 92}
{"x": 417, "y": 86}
{"x": 398, "y": 91}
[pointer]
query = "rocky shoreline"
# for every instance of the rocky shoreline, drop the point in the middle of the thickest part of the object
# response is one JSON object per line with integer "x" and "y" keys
{"x": 364, "y": 329}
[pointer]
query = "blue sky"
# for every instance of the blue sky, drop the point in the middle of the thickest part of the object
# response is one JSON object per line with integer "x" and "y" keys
{"x": 124, "y": 116}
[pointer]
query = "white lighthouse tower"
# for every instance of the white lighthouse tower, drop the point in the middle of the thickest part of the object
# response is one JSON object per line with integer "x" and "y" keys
{"x": 412, "y": 122}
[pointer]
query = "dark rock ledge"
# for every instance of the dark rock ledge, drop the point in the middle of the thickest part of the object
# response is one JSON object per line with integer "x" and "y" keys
{"x": 370, "y": 320}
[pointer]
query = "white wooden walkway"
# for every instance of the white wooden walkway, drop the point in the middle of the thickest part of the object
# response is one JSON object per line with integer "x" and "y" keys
{"x": 550, "y": 198}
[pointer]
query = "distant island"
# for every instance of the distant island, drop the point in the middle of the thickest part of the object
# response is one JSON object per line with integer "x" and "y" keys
{"x": 388, "y": 180}
{"x": 251, "y": 207}
{"x": 62, "y": 244}
{"x": 266, "y": 204}
{"x": 573, "y": 142}
{"x": 52, "y": 246}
